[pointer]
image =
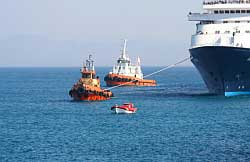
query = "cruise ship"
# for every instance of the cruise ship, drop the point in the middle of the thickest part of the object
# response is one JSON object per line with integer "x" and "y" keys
{"x": 220, "y": 48}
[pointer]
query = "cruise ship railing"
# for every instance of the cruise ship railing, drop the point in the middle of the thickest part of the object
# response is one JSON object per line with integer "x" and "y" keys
{"x": 226, "y": 2}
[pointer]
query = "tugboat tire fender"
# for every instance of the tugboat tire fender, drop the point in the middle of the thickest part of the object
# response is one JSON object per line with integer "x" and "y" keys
{"x": 80, "y": 90}
{"x": 70, "y": 93}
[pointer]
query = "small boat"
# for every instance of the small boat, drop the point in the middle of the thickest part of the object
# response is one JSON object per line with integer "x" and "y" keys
{"x": 88, "y": 88}
{"x": 126, "y": 108}
{"x": 125, "y": 73}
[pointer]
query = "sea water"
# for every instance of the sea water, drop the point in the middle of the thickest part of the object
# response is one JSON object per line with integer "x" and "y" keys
{"x": 176, "y": 121}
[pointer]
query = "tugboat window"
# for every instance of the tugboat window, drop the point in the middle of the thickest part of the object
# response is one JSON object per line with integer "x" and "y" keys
{"x": 86, "y": 75}
{"x": 217, "y": 32}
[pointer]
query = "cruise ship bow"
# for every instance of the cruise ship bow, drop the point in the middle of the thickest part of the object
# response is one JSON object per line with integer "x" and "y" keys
{"x": 220, "y": 48}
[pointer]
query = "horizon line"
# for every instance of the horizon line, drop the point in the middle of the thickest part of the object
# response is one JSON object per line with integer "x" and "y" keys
{"x": 78, "y": 66}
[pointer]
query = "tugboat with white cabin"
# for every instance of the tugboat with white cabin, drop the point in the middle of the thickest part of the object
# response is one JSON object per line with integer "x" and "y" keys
{"x": 126, "y": 74}
{"x": 220, "y": 48}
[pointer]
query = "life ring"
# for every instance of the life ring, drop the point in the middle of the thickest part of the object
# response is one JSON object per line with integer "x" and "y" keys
{"x": 90, "y": 81}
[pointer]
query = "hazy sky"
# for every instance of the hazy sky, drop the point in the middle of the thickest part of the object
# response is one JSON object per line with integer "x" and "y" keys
{"x": 63, "y": 32}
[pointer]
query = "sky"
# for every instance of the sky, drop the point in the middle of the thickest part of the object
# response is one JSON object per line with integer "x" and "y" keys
{"x": 62, "y": 33}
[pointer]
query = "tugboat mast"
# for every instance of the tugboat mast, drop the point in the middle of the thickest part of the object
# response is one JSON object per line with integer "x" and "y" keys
{"x": 90, "y": 64}
{"x": 123, "y": 56}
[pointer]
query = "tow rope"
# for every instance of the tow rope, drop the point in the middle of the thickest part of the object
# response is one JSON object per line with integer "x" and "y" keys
{"x": 156, "y": 72}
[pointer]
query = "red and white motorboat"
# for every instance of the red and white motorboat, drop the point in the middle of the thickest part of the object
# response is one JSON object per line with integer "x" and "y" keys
{"x": 127, "y": 108}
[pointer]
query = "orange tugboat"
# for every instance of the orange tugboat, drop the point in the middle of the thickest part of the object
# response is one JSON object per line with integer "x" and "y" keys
{"x": 88, "y": 87}
{"x": 124, "y": 73}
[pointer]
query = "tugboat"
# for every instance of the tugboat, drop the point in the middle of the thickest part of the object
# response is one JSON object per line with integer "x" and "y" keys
{"x": 127, "y": 108}
{"x": 124, "y": 73}
{"x": 88, "y": 87}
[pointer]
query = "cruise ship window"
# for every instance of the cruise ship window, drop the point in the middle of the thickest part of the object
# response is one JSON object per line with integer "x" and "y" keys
{"x": 247, "y": 31}
{"x": 237, "y": 11}
{"x": 232, "y": 11}
{"x": 216, "y": 12}
{"x": 221, "y": 12}
{"x": 243, "y": 11}
{"x": 248, "y": 11}
{"x": 227, "y": 11}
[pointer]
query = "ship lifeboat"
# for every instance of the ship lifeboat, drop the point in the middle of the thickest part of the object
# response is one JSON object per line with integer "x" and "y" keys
{"x": 127, "y": 108}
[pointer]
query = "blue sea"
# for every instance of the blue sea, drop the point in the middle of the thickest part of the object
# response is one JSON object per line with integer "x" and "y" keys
{"x": 176, "y": 121}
